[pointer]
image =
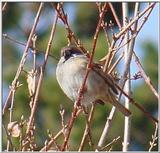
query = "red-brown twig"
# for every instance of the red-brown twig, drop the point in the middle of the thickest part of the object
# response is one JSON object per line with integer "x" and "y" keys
{"x": 116, "y": 63}
{"x": 115, "y": 15}
{"x": 9, "y": 141}
{"x": 89, "y": 65}
{"x": 110, "y": 118}
{"x": 131, "y": 100}
{"x": 135, "y": 33}
{"x": 134, "y": 20}
{"x": 61, "y": 14}
{"x": 52, "y": 141}
{"x": 146, "y": 78}
{"x": 23, "y": 59}
{"x": 154, "y": 138}
{"x": 33, "y": 110}
{"x": 7, "y": 37}
{"x": 87, "y": 127}
{"x": 11, "y": 113}
{"x": 109, "y": 144}
{"x": 4, "y": 7}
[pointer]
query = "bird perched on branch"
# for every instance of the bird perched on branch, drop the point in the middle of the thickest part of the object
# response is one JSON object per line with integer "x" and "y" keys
{"x": 70, "y": 73}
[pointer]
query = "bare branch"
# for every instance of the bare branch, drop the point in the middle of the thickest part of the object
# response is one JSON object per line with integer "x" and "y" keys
{"x": 4, "y": 7}
{"x": 154, "y": 138}
{"x": 134, "y": 20}
{"x": 23, "y": 59}
{"x": 7, "y": 37}
{"x": 115, "y": 15}
{"x": 131, "y": 100}
{"x": 33, "y": 110}
{"x": 109, "y": 144}
{"x": 60, "y": 11}
{"x": 86, "y": 128}
{"x": 89, "y": 65}
{"x": 146, "y": 78}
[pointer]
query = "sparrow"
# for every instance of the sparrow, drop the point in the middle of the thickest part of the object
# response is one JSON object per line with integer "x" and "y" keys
{"x": 100, "y": 87}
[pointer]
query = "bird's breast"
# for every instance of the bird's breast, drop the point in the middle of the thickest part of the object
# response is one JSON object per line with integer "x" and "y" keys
{"x": 70, "y": 76}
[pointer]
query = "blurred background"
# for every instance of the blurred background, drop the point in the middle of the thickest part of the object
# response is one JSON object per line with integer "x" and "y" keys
{"x": 17, "y": 21}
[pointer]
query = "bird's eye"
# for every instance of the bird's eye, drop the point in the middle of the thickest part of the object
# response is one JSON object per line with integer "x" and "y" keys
{"x": 67, "y": 54}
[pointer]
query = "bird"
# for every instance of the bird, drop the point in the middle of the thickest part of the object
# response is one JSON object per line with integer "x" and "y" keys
{"x": 100, "y": 87}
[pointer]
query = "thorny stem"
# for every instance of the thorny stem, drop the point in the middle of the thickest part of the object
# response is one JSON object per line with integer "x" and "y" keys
{"x": 23, "y": 59}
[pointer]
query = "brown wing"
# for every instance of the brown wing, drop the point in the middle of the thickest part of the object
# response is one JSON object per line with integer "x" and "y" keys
{"x": 108, "y": 78}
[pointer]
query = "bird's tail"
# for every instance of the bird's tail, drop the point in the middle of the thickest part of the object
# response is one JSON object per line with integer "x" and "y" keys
{"x": 118, "y": 105}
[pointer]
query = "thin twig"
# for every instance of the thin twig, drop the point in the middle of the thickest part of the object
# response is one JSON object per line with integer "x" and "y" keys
{"x": 131, "y": 100}
{"x": 154, "y": 139}
{"x": 109, "y": 56}
{"x": 106, "y": 127}
{"x": 33, "y": 110}
{"x": 107, "y": 35}
{"x": 11, "y": 108}
{"x": 103, "y": 24}
{"x": 111, "y": 115}
{"x": 86, "y": 128}
{"x": 135, "y": 33}
{"x": 60, "y": 11}
{"x": 89, "y": 65}
{"x": 134, "y": 20}
{"x": 23, "y": 59}
{"x": 52, "y": 141}
{"x": 9, "y": 143}
{"x": 88, "y": 125}
{"x": 7, "y": 37}
{"x": 116, "y": 63}
{"x": 4, "y": 7}
{"x": 115, "y": 15}
{"x": 109, "y": 144}
{"x": 146, "y": 78}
